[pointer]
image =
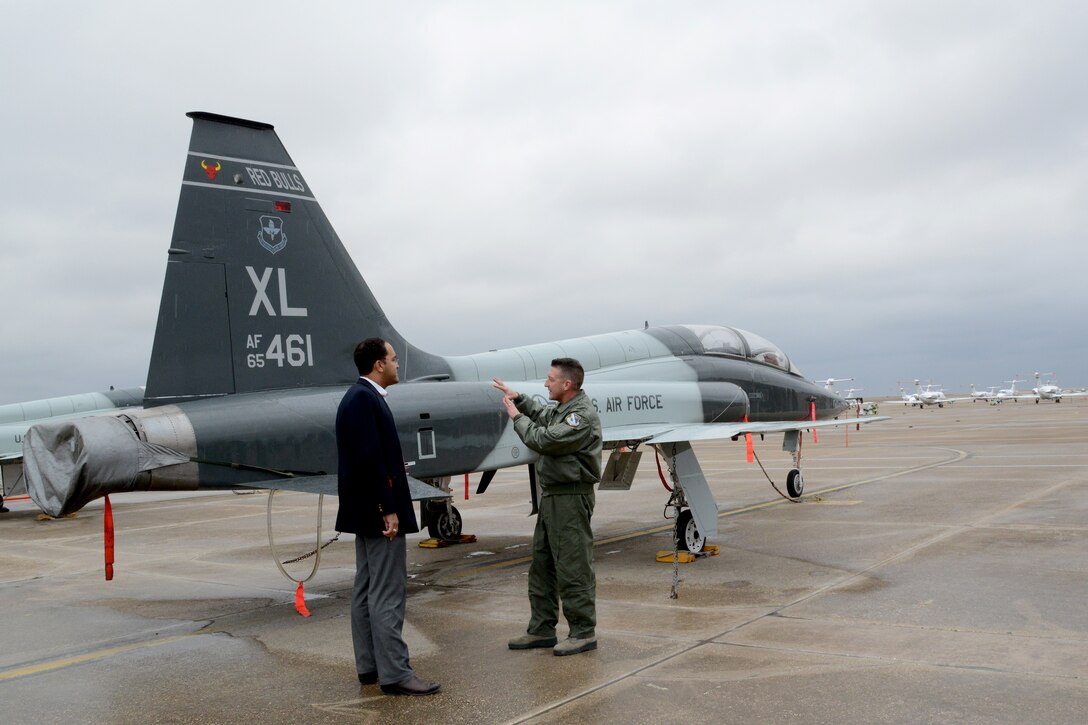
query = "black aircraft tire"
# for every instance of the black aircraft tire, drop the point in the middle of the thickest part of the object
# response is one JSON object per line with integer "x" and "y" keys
{"x": 443, "y": 524}
{"x": 687, "y": 534}
{"x": 795, "y": 483}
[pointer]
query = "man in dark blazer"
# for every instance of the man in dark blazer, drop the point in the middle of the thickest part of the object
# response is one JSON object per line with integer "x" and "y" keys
{"x": 376, "y": 506}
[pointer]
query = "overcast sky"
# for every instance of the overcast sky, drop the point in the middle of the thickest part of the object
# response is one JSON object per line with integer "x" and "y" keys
{"x": 888, "y": 191}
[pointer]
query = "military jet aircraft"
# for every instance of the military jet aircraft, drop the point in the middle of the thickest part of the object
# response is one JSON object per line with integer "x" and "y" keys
{"x": 16, "y": 418}
{"x": 261, "y": 309}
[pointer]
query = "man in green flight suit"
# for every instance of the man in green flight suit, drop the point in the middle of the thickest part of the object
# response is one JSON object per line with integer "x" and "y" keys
{"x": 568, "y": 438}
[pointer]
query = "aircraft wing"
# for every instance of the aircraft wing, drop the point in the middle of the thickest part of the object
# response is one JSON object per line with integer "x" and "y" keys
{"x": 665, "y": 433}
{"x": 326, "y": 484}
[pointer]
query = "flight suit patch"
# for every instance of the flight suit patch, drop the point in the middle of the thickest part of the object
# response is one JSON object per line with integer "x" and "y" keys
{"x": 573, "y": 420}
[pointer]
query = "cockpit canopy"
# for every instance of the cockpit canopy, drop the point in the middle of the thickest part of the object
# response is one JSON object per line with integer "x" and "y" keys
{"x": 741, "y": 343}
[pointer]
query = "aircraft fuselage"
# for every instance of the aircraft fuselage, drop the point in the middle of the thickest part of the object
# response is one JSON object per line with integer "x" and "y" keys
{"x": 446, "y": 428}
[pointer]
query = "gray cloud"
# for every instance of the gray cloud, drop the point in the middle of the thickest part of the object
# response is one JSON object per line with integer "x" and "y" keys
{"x": 886, "y": 191}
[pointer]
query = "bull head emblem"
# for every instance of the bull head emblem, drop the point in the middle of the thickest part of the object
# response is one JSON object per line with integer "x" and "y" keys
{"x": 211, "y": 171}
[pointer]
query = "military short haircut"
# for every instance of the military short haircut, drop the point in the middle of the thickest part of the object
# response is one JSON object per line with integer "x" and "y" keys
{"x": 571, "y": 369}
{"x": 368, "y": 352}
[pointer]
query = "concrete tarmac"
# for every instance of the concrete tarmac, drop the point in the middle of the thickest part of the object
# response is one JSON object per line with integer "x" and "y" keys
{"x": 935, "y": 571}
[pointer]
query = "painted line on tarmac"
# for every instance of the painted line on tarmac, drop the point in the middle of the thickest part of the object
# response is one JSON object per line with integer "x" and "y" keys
{"x": 959, "y": 455}
{"x": 59, "y": 664}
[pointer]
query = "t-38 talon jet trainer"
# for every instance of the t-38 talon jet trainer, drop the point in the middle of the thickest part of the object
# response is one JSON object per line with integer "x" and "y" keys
{"x": 261, "y": 310}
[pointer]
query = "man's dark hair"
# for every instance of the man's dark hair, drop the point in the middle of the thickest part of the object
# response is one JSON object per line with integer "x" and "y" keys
{"x": 368, "y": 352}
{"x": 571, "y": 369}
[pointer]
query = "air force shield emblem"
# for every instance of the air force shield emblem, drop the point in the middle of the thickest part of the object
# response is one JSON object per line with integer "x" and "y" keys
{"x": 271, "y": 236}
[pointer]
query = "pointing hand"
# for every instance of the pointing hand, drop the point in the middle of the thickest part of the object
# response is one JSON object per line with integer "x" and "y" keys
{"x": 507, "y": 391}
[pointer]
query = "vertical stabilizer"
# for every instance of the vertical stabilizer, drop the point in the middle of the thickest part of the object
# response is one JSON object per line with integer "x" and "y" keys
{"x": 260, "y": 294}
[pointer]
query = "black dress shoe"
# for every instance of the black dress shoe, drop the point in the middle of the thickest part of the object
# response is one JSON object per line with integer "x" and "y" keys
{"x": 412, "y": 686}
{"x": 368, "y": 678}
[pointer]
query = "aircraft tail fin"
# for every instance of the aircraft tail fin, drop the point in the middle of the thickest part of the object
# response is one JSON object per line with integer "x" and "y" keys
{"x": 260, "y": 293}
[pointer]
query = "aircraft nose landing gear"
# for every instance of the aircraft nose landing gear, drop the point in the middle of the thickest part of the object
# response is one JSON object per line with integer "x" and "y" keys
{"x": 443, "y": 520}
{"x": 795, "y": 483}
{"x": 795, "y": 480}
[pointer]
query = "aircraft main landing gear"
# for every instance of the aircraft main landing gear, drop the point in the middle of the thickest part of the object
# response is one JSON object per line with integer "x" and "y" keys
{"x": 443, "y": 521}
{"x": 687, "y": 534}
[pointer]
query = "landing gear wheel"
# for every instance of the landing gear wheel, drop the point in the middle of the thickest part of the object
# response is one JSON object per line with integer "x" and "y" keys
{"x": 687, "y": 534}
{"x": 795, "y": 483}
{"x": 444, "y": 524}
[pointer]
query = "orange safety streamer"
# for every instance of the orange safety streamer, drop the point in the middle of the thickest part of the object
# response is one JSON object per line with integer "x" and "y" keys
{"x": 748, "y": 444}
{"x": 466, "y": 487}
{"x": 300, "y": 601}
{"x": 815, "y": 438}
{"x": 107, "y": 538}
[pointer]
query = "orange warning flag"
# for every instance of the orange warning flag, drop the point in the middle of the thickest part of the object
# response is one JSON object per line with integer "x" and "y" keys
{"x": 300, "y": 601}
{"x": 815, "y": 438}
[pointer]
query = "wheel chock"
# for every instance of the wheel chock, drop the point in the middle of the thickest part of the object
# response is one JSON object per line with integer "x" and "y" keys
{"x": 433, "y": 544}
{"x": 443, "y": 543}
{"x": 686, "y": 557}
